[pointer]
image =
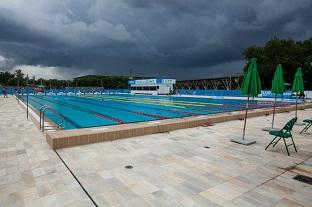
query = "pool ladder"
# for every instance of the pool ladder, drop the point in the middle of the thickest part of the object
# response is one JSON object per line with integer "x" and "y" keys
{"x": 60, "y": 125}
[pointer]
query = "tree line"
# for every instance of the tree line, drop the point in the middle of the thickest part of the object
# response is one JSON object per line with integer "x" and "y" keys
{"x": 19, "y": 79}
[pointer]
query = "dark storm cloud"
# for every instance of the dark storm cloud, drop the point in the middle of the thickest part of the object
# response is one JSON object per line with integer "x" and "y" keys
{"x": 176, "y": 38}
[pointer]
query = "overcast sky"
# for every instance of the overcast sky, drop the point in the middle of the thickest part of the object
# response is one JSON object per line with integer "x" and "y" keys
{"x": 181, "y": 39}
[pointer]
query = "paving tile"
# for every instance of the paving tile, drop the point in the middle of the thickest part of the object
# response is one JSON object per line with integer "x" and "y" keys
{"x": 143, "y": 187}
{"x": 170, "y": 169}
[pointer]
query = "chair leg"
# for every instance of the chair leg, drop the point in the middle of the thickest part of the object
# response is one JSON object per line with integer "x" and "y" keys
{"x": 293, "y": 143}
{"x": 286, "y": 146}
{"x": 270, "y": 143}
{"x": 305, "y": 128}
{"x": 309, "y": 125}
{"x": 277, "y": 142}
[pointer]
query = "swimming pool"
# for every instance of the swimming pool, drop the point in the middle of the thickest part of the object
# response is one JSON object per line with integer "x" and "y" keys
{"x": 101, "y": 110}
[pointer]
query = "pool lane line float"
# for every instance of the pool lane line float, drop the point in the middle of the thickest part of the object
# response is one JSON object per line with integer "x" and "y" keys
{"x": 127, "y": 110}
{"x": 168, "y": 110}
{"x": 88, "y": 111}
{"x": 177, "y": 102}
{"x": 173, "y": 100}
{"x": 148, "y": 102}
{"x": 142, "y": 102}
{"x": 177, "y": 111}
{"x": 165, "y": 101}
{"x": 65, "y": 117}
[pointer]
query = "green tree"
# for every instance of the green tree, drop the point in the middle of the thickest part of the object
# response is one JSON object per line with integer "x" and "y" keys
{"x": 111, "y": 82}
{"x": 289, "y": 53}
{"x": 4, "y": 77}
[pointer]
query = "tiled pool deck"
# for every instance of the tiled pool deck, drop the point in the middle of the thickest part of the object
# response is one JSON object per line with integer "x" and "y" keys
{"x": 169, "y": 169}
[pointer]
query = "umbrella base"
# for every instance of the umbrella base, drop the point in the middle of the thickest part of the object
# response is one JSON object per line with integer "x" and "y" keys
{"x": 243, "y": 141}
{"x": 270, "y": 129}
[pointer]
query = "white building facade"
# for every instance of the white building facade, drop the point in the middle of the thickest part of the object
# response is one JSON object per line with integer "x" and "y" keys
{"x": 152, "y": 86}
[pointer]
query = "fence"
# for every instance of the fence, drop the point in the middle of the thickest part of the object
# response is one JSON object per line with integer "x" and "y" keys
{"x": 237, "y": 93}
{"x": 91, "y": 90}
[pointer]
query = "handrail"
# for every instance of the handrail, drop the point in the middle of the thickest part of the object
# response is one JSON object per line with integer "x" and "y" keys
{"x": 45, "y": 108}
{"x": 17, "y": 98}
{"x": 40, "y": 111}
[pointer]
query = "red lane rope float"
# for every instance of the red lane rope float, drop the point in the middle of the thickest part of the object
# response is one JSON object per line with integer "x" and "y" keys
{"x": 110, "y": 118}
{"x": 147, "y": 114}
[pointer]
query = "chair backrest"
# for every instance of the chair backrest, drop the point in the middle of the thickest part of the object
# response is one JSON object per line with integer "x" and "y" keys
{"x": 290, "y": 124}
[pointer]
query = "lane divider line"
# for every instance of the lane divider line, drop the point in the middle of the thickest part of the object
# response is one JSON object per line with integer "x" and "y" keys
{"x": 127, "y": 110}
{"x": 87, "y": 111}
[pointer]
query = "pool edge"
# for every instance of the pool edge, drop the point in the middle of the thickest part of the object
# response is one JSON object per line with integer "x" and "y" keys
{"x": 76, "y": 137}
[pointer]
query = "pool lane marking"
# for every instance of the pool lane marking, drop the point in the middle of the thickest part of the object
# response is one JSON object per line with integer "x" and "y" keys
{"x": 88, "y": 111}
{"x": 152, "y": 102}
{"x": 127, "y": 110}
{"x": 65, "y": 117}
{"x": 156, "y": 102}
{"x": 201, "y": 108}
{"x": 165, "y": 102}
{"x": 132, "y": 101}
{"x": 147, "y": 102}
{"x": 175, "y": 101}
{"x": 148, "y": 107}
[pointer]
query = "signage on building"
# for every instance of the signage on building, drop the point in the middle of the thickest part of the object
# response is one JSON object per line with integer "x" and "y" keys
{"x": 152, "y": 81}
{"x": 169, "y": 81}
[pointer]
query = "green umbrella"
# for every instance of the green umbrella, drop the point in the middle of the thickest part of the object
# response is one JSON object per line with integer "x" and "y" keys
{"x": 278, "y": 87}
{"x": 298, "y": 86}
{"x": 251, "y": 86}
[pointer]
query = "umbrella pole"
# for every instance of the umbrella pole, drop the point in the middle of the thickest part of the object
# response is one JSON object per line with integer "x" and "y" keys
{"x": 296, "y": 103}
{"x": 245, "y": 118}
{"x": 274, "y": 111}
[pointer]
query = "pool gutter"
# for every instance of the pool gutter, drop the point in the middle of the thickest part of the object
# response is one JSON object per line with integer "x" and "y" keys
{"x": 75, "y": 137}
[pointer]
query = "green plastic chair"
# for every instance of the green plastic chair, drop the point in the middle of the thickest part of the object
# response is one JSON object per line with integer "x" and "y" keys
{"x": 309, "y": 124}
{"x": 284, "y": 133}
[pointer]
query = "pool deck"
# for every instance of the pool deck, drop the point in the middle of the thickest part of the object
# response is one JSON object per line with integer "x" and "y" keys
{"x": 169, "y": 169}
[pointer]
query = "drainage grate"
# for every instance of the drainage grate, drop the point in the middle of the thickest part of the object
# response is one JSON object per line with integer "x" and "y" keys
{"x": 304, "y": 179}
{"x": 128, "y": 166}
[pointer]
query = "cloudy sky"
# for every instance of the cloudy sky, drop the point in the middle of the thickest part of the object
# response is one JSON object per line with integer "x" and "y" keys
{"x": 164, "y": 38}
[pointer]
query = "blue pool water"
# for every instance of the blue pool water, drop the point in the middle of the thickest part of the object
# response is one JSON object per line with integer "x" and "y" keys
{"x": 102, "y": 110}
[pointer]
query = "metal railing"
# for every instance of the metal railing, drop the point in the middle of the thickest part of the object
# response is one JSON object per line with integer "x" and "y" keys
{"x": 43, "y": 110}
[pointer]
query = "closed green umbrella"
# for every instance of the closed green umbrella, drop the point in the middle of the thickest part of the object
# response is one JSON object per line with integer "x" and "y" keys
{"x": 251, "y": 86}
{"x": 278, "y": 87}
{"x": 298, "y": 86}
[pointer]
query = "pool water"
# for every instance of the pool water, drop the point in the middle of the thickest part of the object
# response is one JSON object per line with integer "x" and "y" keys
{"x": 101, "y": 110}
